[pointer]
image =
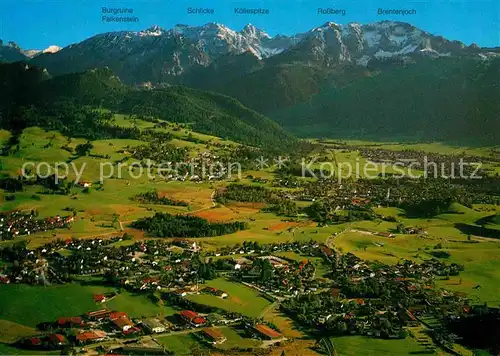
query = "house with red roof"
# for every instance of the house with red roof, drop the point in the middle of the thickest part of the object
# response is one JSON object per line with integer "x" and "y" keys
{"x": 198, "y": 321}
{"x": 98, "y": 314}
{"x": 359, "y": 301}
{"x": 131, "y": 330}
{"x": 188, "y": 315}
{"x": 214, "y": 291}
{"x": 90, "y": 336}
{"x": 117, "y": 315}
{"x": 327, "y": 251}
{"x": 57, "y": 339}
{"x": 99, "y": 298}
{"x": 34, "y": 341}
{"x": 266, "y": 332}
{"x": 150, "y": 283}
{"x": 70, "y": 322}
{"x": 123, "y": 323}
{"x": 215, "y": 336}
{"x": 192, "y": 318}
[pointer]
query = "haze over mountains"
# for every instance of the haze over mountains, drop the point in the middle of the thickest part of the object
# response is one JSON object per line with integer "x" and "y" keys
{"x": 310, "y": 70}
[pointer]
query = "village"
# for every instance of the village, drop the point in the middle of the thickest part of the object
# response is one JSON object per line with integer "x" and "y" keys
{"x": 19, "y": 223}
{"x": 350, "y": 296}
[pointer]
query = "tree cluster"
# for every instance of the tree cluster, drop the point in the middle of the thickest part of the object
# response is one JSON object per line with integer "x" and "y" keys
{"x": 167, "y": 225}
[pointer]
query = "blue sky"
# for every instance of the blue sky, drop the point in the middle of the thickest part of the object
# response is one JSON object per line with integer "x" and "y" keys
{"x": 40, "y": 23}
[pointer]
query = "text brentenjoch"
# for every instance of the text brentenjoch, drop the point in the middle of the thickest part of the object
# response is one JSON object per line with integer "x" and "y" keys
{"x": 396, "y": 12}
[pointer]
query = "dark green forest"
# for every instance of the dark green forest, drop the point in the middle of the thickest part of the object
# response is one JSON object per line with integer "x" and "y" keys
{"x": 166, "y": 225}
{"x": 446, "y": 99}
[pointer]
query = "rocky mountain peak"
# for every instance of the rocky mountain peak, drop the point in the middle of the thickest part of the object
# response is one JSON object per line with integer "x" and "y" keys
{"x": 252, "y": 31}
{"x": 13, "y": 45}
{"x": 154, "y": 30}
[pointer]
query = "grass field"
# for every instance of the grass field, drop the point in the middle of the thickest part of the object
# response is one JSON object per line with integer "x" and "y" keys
{"x": 268, "y": 228}
{"x": 138, "y": 305}
{"x": 235, "y": 340}
{"x": 364, "y": 346}
{"x": 11, "y": 332}
{"x": 241, "y": 299}
{"x": 185, "y": 344}
{"x": 433, "y": 147}
{"x": 30, "y": 305}
{"x": 286, "y": 325}
{"x": 9, "y": 350}
{"x": 179, "y": 344}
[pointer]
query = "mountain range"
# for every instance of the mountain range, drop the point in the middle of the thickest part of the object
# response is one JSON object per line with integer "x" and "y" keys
{"x": 283, "y": 75}
{"x": 159, "y": 56}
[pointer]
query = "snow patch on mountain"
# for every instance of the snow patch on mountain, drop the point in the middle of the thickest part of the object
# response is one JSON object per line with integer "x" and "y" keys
{"x": 154, "y": 31}
{"x": 52, "y": 49}
{"x": 363, "y": 61}
{"x": 31, "y": 53}
{"x": 372, "y": 38}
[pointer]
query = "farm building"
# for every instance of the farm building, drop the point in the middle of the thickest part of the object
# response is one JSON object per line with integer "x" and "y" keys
{"x": 99, "y": 298}
{"x": 123, "y": 323}
{"x": 117, "y": 315}
{"x": 98, "y": 314}
{"x": 57, "y": 339}
{"x": 214, "y": 335}
{"x": 266, "y": 332}
{"x": 90, "y": 336}
{"x": 214, "y": 291}
{"x": 69, "y": 322}
{"x": 154, "y": 326}
{"x": 192, "y": 318}
{"x": 276, "y": 262}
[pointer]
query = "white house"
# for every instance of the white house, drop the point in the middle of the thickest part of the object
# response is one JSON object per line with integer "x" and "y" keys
{"x": 154, "y": 326}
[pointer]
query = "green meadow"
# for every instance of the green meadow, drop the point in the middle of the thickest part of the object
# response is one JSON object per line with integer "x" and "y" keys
{"x": 241, "y": 299}
{"x": 364, "y": 346}
{"x": 179, "y": 344}
{"x": 30, "y": 305}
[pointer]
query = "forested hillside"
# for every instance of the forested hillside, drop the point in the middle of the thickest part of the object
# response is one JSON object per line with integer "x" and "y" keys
{"x": 266, "y": 89}
{"x": 450, "y": 99}
{"x": 27, "y": 96}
